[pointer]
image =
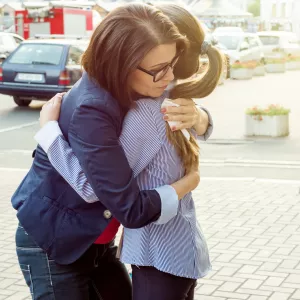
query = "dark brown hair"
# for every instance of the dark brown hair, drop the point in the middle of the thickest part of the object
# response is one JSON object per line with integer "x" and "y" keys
{"x": 120, "y": 43}
{"x": 188, "y": 65}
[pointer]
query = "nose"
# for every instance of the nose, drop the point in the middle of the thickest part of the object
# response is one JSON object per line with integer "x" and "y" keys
{"x": 169, "y": 75}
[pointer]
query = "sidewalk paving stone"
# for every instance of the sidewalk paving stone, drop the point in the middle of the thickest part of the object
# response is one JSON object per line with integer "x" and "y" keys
{"x": 252, "y": 228}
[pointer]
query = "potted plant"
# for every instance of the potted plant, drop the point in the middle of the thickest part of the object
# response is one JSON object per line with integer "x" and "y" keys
{"x": 275, "y": 64}
{"x": 271, "y": 121}
{"x": 293, "y": 62}
{"x": 260, "y": 70}
{"x": 242, "y": 70}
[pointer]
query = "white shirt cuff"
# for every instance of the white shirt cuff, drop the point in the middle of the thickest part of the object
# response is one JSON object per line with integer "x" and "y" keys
{"x": 169, "y": 204}
{"x": 48, "y": 134}
{"x": 210, "y": 127}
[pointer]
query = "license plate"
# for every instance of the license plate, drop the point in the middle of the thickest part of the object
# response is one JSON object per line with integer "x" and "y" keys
{"x": 30, "y": 77}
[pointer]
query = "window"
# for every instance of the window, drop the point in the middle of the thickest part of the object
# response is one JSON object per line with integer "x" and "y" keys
{"x": 283, "y": 10}
{"x": 274, "y": 11}
{"x": 230, "y": 42}
{"x": 269, "y": 40}
{"x": 292, "y": 39}
{"x": 39, "y": 54}
{"x": 253, "y": 42}
{"x": 74, "y": 57}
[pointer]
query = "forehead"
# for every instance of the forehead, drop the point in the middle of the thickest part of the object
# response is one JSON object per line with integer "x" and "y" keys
{"x": 159, "y": 55}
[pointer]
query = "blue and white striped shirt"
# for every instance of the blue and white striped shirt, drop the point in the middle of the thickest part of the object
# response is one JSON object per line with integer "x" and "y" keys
{"x": 177, "y": 247}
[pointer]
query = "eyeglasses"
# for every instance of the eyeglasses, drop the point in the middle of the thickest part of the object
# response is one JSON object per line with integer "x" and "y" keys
{"x": 160, "y": 74}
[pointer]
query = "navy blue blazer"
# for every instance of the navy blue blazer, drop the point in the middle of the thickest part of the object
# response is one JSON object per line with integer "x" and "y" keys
{"x": 57, "y": 218}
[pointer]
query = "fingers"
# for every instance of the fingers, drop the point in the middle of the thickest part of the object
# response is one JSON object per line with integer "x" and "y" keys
{"x": 184, "y": 101}
{"x": 184, "y": 125}
{"x": 57, "y": 100}
{"x": 177, "y": 117}
{"x": 185, "y": 106}
{"x": 179, "y": 109}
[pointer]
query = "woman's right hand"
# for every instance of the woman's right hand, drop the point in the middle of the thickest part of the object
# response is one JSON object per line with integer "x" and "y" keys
{"x": 187, "y": 183}
{"x": 51, "y": 110}
{"x": 194, "y": 176}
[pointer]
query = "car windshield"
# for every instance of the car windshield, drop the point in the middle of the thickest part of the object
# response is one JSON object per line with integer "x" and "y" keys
{"x": 230, "y": 42}
{"x": 269, "y": 40}
{"x": 37, "y": 54}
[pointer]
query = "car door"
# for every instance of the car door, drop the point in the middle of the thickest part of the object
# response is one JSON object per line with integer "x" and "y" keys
{"x": 244, "y": 50}
{"x": 8, "y": 43}
{"x": 255, "y": 51}
{"x": 292, "y": 46}
{"x": 271, "y": 45}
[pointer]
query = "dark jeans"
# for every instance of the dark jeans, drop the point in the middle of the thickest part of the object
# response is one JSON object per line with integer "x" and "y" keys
{"x": 151, "y": 284}
{"x": 98, "y": 274}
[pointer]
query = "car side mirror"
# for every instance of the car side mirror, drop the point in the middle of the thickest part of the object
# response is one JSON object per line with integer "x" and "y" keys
{"x": 244, "y": 46}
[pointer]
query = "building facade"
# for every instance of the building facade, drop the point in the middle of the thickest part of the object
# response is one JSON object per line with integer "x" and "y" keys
{"x": 242, "y": 4}
{"x": 281, "y": 15}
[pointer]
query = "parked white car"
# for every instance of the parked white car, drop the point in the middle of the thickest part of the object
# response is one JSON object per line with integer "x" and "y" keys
{"x": 279, "y": 43}
{"x": 241, "y": 46}
{"x": 8, "y": 43}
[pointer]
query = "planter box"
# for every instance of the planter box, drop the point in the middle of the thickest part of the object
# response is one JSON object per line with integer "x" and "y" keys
{"x": 241, "y": 73}
{"x": 273, "y": 126}
{"x": 293, "y": 65}
{"x": 259, "y": 71}
{"x": 275, "y": 68}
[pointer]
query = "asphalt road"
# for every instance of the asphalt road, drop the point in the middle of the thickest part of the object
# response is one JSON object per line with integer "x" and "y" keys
{"x": 228, "y": 153}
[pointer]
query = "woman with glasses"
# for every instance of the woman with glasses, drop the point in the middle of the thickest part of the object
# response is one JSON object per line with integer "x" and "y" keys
{"x": 88, "y": 154}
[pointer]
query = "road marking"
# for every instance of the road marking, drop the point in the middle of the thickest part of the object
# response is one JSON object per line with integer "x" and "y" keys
{"x": 240, "y": 160}
{"x": 17, "y": 151}
{"x": 18, "y": 127}
{"x": 252, "y": 179}
{"x": 251, "y": 163}
{"x": 13, "y": 170}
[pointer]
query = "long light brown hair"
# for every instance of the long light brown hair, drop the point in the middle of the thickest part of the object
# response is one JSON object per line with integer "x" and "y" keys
{"x": 188, "y": 65}
{"x": 120, "y": 43}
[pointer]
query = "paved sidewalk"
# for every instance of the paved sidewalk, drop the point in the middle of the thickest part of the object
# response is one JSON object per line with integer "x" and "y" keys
{"x": 253, "y": 232}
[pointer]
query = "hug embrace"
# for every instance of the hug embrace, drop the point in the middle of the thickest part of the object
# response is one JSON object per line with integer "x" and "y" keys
{"x": 111, "y": 152}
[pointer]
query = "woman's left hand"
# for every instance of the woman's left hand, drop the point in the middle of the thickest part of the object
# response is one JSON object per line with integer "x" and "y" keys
{"x": 188, "y": 114}
{"x": 51, "y": 110}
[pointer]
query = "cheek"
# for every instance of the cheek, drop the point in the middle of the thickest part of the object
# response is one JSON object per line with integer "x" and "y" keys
{"x": 141, "y": 83}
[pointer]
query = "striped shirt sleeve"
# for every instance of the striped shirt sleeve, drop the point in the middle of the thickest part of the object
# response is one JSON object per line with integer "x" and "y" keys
{"x": 63, "y": 159}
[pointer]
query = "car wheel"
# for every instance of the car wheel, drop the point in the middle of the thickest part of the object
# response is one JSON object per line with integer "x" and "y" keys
{"x": 21, "y": 102}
